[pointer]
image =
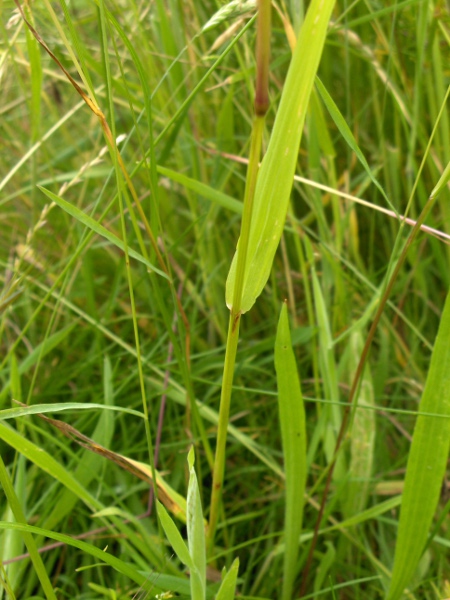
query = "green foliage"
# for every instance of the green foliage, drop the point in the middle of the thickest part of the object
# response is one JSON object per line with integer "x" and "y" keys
{"x": 427, "y": 461}
{"x": 120, "y": 209}
{"x": 193, "y": 555}
{"x": 277, "y": 170}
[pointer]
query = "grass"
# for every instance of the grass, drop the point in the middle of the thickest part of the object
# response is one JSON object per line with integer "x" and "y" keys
{"x": 122, "y": 176}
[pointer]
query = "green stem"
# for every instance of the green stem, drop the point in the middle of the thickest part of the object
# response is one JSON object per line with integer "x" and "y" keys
{"x": 233, "y": 332}
{"x": 261, "y": 106}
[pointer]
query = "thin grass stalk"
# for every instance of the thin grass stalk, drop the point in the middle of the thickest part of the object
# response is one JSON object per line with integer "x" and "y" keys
{"x": 261, "y": 105}
{"x": 233, "y": 334}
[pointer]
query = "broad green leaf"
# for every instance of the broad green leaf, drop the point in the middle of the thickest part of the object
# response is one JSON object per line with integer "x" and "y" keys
{"x": 427, "y": 462}
{"x": 99, "y": 229}
{"x": 196, "y": 533}
{"x": 174, "y": 537}
{"x": 277, "y": 170}
{"x": 293, "y": 434}
{"x": 228, "y": 585}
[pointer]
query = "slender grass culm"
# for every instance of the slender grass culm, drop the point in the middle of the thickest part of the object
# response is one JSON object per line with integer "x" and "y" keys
{"x": 266, "y": 197}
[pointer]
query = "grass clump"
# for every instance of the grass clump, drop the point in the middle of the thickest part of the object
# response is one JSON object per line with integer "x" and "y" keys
{"x": 126, "y": 131}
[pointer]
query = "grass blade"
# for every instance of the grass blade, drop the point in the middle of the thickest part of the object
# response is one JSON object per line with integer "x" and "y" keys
{"x": 105, "y": 557}
{"x": 293, "y": 433}
{"x": 174, "y": 537}
{"x": 99, "y": 229}
{"x": 228, "y": 587}
{"x": 30, "y": 543}
{"x": 348, "y": 136}
{"x": 196, "y": 533}
{"x": 426, "y": 463}
{"x": 276, "y": 174}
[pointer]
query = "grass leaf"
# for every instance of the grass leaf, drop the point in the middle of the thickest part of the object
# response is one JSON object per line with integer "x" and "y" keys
{"x": 99, "y": 229}
{"x": 119, "y": 565}
{"x": 174, "y": 537}
{"x": 277, "y": 170}
{"x": 196, "y": 533}
{"x": 426, "y": 463}
{"x": 228, "y": 586}
{"x": 348, "y": 136}
{"x": 293, "y": 433}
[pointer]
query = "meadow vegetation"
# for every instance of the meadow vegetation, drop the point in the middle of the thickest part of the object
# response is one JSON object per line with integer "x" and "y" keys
{"x": 152, "y": 442}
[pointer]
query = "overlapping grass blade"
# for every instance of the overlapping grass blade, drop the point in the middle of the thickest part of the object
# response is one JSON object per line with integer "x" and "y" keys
{"x": 293, "y": 433}
{"x": 228, "y": 587}
{"x": 426, "y": 463}
{"x": 174, "y": 537}
{"x": 276, "y": 174}
{"x": 105, "y": 557}
{"x": 29, "y": 540}
{"x": 99, "y": 229}
{"x": 348, "y": 136}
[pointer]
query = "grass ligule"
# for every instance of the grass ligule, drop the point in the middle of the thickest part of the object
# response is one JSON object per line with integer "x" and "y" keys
{"x": 293, "y": 433}
{"x": 276, "y": 174}
{"x": 426, "y": 463}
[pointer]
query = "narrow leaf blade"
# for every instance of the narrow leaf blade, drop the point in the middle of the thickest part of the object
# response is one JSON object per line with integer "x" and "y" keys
{"x": 293, "y": 433}
{"x": 228, "y": 586}
{"x": 99, "y": 229}
{"x": 196, "y": 533}
{"x": 426, "y": 463}
{"x": 174, "y": 536}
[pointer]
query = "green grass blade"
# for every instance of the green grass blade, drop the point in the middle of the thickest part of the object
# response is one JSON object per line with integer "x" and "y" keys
{"x": 119, "y": 565}
{"x": 202, "y": 189}
{"x": 174, "y": 537}
{"x": 293, "y": 433}
{"x": 276, "y": 174}
{"x": 41, "y": 409}
{"x": 228, "y": 586}
{"x": 30, "y": 543}
{"x": 426, "y": 463}
{"x": 99, "y": 229}
{"x": 196, "y": 533}
{"x": 443, "y": 180}
{"x": 348, "y": 136}
{"x": 47, "y": 463}
{"x": 90, "y": 464}
{"x": 38, "y": 353}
